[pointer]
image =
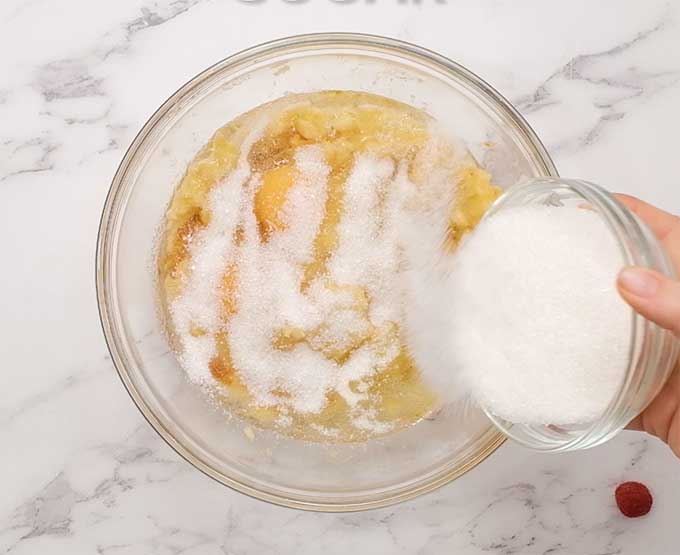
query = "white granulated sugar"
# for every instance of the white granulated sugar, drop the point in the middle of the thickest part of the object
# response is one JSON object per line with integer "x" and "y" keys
{"x": 304, "y": 205}
{"x": 333, "y": 313}
{"x": 358, "y": 257}
{"x": 270, "y": 298}
{"x": 424, "y": 229}
{"x": 368, "y": 423}
{"x": 284, "y": 421}
{"x": 339, "y": 330}
{"x": 328, "y": 432}
{"x": 534, "y": 325}
{"x": 368, "y": 251}
{"x": 197, "y": 308}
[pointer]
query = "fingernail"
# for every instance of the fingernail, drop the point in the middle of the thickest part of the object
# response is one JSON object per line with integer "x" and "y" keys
{"x": 639, "y": 282}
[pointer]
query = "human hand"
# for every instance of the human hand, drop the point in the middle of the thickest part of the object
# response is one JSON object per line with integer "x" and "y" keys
{"x": 657, "y": 298}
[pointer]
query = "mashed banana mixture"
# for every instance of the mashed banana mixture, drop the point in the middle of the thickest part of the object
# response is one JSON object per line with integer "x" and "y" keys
{"x": 284, "y": 263}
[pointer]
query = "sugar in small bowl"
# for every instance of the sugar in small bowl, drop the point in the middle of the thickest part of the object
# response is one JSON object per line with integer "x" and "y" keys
{"x": 556, "y": 359}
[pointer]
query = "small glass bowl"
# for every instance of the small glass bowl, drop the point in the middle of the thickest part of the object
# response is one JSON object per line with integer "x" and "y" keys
{"x": 294, "y": 473}
{"x": 653, "y": 350}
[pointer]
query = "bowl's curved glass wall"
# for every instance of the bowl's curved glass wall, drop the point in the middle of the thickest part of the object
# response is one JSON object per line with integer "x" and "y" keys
{"x": 287, "y": 471}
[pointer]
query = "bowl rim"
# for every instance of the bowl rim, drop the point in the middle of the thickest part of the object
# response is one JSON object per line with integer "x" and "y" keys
{"x": 106, "y": 244}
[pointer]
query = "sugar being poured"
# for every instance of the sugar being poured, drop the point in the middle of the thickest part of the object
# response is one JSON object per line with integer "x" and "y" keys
{"x": 353, "y": 307}
{"x": 529, "y": 320}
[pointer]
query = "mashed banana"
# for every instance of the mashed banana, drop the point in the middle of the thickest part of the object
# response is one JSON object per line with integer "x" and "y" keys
{"x": 280, "y": 261}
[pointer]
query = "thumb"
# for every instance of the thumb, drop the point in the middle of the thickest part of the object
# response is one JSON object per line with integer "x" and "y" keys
{"x": 653, "y": 295}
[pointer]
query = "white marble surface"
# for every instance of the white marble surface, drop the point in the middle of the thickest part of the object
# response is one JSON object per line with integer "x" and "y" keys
{"x": 82, "y": 472}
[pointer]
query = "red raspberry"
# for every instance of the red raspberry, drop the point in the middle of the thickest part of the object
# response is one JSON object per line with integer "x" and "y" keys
{"x": 633, "y": 499}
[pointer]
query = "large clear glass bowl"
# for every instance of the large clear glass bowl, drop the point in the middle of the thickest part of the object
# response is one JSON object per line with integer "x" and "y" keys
{"x": 337, "y": 477}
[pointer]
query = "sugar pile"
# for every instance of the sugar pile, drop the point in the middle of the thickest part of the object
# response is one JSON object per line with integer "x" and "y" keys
{"x": 196, "y": 311}
{"x": 354, "y": 306}
{"x": 531, "y": 323}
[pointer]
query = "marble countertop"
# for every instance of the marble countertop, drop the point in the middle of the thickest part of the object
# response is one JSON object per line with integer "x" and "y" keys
{"x": 82, "y": 472}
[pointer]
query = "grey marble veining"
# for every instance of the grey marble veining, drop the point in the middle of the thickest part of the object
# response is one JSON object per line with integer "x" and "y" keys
{"x": 82, "y": 472}
{"x": 612, "y": 85}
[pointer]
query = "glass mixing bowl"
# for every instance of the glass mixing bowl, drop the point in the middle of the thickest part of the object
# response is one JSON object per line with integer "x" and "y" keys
{"x": 294, "y": 473}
